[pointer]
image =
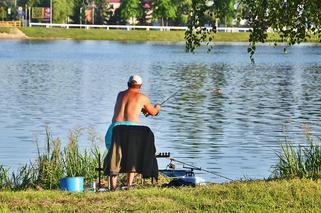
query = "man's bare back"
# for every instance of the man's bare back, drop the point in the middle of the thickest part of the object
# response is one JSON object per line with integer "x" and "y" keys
{"x": 130, "y": 103}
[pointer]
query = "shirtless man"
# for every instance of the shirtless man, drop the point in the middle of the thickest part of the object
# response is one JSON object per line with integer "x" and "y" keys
{"x": 129, "y": 104}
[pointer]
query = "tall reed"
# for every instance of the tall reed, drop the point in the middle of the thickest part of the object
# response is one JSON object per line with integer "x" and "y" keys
{"x": 24, "y": 178}
{"x": 49, "y": 165}
{"x": 5, "y": 182}
{"x": 54, "y": 162}
{"x": 80, "y": 163}
{"x": 301, "y": 161}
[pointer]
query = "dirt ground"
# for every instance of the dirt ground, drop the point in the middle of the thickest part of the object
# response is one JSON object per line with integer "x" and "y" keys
{"x": 14, "y": 33}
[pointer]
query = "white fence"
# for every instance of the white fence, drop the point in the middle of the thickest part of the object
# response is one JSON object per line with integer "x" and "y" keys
{"x": 133, "y": 27}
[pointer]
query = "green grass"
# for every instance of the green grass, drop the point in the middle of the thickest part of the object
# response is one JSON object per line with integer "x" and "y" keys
{"x": 135, "y": 35}
{"x": 122, "y": 35}
{"x": 132, "y": 35}
{"x": 101, "y": 34}
{"x": 274, "y": 37}
{"x": 254, "y": 196}
{"x": 5, "y": 30}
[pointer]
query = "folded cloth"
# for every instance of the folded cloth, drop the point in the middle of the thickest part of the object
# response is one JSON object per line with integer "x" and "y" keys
{"x": 109, "y": 132}
{"x": 132, "y": 150}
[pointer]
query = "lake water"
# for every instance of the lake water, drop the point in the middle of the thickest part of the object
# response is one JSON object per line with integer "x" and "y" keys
{"x": 68, "y": 84}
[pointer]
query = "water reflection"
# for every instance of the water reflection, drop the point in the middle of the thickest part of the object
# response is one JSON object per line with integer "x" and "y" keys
{"x": 234, "y": 132}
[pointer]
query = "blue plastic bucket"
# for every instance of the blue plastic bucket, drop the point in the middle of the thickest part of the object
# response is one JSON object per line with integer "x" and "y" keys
{"x": 72, "y": 184}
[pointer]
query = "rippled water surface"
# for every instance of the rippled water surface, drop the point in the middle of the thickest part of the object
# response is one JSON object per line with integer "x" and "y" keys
{"x": 68, "y": 84}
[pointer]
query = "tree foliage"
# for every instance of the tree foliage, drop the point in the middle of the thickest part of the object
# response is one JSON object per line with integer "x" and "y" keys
{"x": 105, "y": 12}
{"x": 62, "y": 9}
{"x": 164, "y": 10}
{"x": 183, "y": 11}
{"x": 225, "y": 11}
{"x": 35, "y": 3}
{"x": 78, "y": 11}
{"x": 201, "y": 15}
{"x": 3, "y": 13}
{"x": 294, "y": 20}
{"x": 131, "y": 9}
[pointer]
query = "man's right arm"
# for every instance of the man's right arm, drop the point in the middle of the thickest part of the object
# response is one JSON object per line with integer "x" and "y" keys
{"x": 148, "y": 109}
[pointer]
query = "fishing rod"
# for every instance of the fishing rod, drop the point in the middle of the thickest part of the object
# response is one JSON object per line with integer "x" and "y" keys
{"x": 199, "y": 168}
{"x": 171, "y": 96}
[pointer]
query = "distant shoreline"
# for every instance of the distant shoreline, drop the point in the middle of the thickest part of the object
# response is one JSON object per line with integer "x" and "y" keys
{"x": 39, "y": 33}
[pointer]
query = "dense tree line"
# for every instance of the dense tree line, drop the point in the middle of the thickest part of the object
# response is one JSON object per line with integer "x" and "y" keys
{"x": 164, "y": 12}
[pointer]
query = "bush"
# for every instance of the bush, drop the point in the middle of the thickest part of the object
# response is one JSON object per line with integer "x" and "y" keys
{"x": 300, "y": 162}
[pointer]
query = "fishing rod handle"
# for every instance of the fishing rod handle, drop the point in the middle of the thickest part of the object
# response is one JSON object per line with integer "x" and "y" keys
{"x": 149, "y": 115}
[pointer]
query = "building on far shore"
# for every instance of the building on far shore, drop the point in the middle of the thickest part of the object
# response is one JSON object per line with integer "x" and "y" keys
{"x": 115, "y": 4}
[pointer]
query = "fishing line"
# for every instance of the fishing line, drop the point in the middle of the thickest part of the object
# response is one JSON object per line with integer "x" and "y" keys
{"x": 8, "y": 86}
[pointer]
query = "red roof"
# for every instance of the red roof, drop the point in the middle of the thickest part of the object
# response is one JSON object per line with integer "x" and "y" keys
{"x": 147, "y": 6}
{"x": 118, "y": 1}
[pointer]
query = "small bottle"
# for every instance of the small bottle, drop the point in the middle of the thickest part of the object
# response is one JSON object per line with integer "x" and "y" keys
{"x": 93, "y": 186}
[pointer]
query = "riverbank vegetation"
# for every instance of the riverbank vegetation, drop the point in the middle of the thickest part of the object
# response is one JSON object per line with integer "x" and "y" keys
{"x": 102, "y": 34}
{"x": 297, "y": 195}
{"x": 54, "y": 162}
{"x": 294, "y": 186}
{"x": 299, "y": 161}
{"x": 135, "y": 35}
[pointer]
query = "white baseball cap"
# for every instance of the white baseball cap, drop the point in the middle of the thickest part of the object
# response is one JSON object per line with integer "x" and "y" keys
{"x": 135, "y": 79}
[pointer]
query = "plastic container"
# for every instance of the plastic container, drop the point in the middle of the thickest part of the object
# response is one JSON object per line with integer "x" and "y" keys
{"x": 92, "y": 187}
{"x": 194, "y": 180}
{"x": 72, "y": 184}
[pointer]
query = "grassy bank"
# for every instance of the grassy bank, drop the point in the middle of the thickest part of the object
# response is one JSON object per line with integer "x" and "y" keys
{"x": 123, "y": 35}
{"x": 101, "y": 34}
{"x": 256, "y": 196}
{"x": 133, "y": 35}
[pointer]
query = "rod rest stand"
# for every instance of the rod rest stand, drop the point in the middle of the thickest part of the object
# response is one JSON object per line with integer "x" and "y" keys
{"x": 163, "y": 155}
